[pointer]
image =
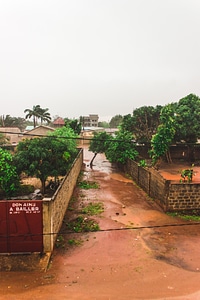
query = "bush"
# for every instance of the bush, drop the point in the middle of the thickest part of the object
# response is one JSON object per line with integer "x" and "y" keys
{"x": 25, "y": 189}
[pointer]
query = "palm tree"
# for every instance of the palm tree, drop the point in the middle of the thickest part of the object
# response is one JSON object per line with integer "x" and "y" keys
{"x": 33, "y": 113}
{"x": 38, "y": 113}
{"x": 8, "y": 121}
{"x": 44, "y": 115}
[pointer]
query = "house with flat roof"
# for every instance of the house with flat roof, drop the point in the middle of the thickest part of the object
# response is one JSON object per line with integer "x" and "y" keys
{"x": 90, "y": 121}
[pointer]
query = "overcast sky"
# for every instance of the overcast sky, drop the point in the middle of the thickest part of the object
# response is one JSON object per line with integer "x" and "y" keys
{"x": 108, "y": 57}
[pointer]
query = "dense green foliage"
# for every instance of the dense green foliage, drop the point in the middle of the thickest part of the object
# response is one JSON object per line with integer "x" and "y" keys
{"x": 164, "y": 125}
{"x": 8, "y": 121}
{"x": 117, "y": 149}
{"x": 161, "y": 141}
{"x": 158, "y": 126}
{"x": 104, "y": 124}
{"x": 143, "y": 123}
{"x": 115, "y": 121}
{"x": 43, "y": 157}
{"x": 73, "y": 124}
{"x": 98, "y": 142}
{"x": 9, "y": 180}
{"x": 68, "y": 137}
{"x": 179, "y": 122}
{"x": 187, "y": 112}
{"x": 121, "y": 147}
{"x": 127, "y": 123}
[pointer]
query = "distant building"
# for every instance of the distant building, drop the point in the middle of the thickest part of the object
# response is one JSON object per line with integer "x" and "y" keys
{"x": 59, "y": 122}
{"x": 29, "y": 127}
{"x": 11, "y": 134}
{"x": 87, "y": 133}
{"x": 39, "y": 131}
{"x": 111, "y": 131}
{"x": 90, "y": 121}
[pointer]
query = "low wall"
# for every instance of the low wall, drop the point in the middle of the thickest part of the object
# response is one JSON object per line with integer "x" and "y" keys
{"x": 54, "y": 208}
{"x": 183, "y": 196}
{"x": 150, "y": 181}
{"x": 170, "y": 196}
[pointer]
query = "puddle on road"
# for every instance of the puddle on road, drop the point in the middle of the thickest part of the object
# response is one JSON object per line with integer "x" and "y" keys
{"x": 119, "y": 177}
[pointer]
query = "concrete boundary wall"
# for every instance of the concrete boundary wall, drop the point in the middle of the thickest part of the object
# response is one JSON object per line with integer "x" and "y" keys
{"x": 54, "y": 208}
{"x": 169, "y": 195}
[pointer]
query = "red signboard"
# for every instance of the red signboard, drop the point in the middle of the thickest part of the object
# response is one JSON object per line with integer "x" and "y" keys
{"x": 21, "y": 226}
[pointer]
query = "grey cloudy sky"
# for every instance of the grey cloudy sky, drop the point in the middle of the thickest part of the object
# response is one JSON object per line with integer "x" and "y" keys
{"x": 78, "y": 57}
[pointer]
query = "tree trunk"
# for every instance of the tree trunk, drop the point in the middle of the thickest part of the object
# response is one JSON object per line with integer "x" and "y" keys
{"x": 43, "y": 186}
{"x": 34, "y": 121}
{"x": 168, "y": 156}
{"x": 91, "y": 163}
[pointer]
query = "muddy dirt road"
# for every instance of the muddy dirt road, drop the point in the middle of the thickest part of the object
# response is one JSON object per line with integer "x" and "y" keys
{"x": 139, "y": 252}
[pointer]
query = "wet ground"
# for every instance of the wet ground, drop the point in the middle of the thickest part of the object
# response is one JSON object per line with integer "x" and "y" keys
{"x": 138, "y": 253}
{"x": 173, "y": 171}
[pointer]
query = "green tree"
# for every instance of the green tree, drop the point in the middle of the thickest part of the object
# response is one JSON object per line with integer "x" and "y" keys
{"x": 74, "y": 124}
{"x": 8, "y": 121}
{"x": 127, "y": 123}
{"x": 44, "y": 157}
{"x": 98, "y": 144}
{"x": 115, "y": 121}
{"x": 187, "y": 117}
{"x": 187, "y": 112}
{"x": 68, "y": 137}
{"x": 33, "y": 113}
{"x": 143, "y": 123}
{"x": 44, "y": 115}
{"x": 164, "y": 136}
{"x": 121, "y": 147}
{"x": 9, "y": 180}
{"x": 37, "y": 113}
{"x": 104, "y": 124}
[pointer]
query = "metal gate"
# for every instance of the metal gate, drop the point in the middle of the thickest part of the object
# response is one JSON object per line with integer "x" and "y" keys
{"x": 21, "y": 226}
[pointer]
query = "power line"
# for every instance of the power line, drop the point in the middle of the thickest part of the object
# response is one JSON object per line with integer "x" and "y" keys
{"x": 105, "y": 230}
{"x": 68, "y": 138}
